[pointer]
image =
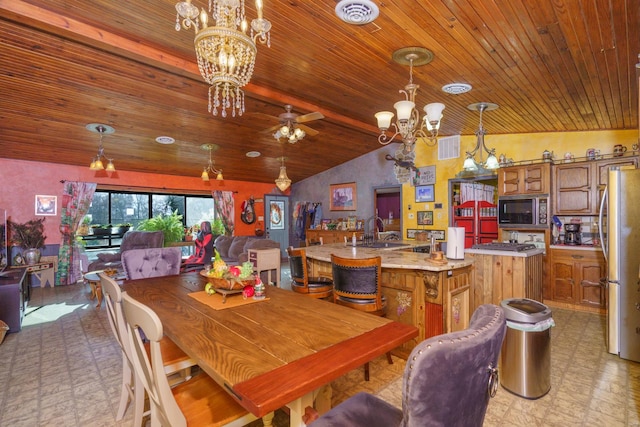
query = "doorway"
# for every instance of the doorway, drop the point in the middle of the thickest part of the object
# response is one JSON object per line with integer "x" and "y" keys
{"x": 388, "y": 206}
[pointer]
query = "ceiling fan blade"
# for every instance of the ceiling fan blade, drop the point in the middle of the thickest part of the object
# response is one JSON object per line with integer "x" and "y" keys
{"x": 309, "y": 117}
{"x": 272, "y": 129}
{"x": 308, "y": 130}
{"x": 263, "y": 116}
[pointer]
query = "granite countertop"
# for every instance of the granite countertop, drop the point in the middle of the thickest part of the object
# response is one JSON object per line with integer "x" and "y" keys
{"x": 398, "y": 256}
{"x": 591, "y": 248}
{"x": 522, "y": 254}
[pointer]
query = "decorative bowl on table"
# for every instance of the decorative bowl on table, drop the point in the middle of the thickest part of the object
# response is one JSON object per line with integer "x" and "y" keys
{"x": 226, "y": 283}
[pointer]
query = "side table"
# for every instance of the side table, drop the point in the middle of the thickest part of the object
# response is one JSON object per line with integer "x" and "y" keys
{"x": 93, "y": 280}
{"x": 266, "y": 260}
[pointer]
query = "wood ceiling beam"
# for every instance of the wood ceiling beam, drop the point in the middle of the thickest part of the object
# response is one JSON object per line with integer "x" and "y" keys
{"x": 55, "y": 23}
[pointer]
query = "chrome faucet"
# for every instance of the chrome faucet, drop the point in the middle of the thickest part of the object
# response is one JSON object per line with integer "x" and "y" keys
{"x": 374, "y": 230}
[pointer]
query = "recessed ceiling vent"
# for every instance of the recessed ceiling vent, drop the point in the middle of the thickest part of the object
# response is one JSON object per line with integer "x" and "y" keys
{"x": 357, "y": 12}
{"x": 456, "y": 88}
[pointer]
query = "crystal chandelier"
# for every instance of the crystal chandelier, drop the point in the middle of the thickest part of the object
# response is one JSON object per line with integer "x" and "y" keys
{"x": 408, "y": 125}
{"x": 210, "y": 167}
{"x": 96, "y": 162}
{"x": 226, "y": 55}
{"x": 282, "y": 181}
{"x": 471, "y": 165}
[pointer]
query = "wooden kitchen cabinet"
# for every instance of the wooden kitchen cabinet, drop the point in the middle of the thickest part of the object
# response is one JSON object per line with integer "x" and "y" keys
{"x": 332, "y": 236}
{"x": 578, "y": 187}
{"x": 577, "y": 277}
{"x": 524, "y": 179}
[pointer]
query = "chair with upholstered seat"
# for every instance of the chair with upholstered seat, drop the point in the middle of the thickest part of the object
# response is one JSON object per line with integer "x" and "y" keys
{"x": 447, "y": 381}
{"x": 197, "y": 402}
{"x": 152, "y": 262}
{"x": 356, "y": 284}
{"x": 316, "y": 287}
{"x": 132, "y": 391}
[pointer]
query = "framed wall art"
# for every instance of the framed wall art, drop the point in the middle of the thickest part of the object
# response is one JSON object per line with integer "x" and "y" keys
{"x": 276, "y": 212}
{"x": 46, "y": 205}
{"x": 343, "y": 197}
{"x": 425, "y": 217}
{"x": 425, "y": 193}
{"x": 423, "y": 176}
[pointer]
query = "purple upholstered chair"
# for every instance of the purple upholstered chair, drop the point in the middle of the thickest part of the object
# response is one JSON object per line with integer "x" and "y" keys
{"x": 447, "y": 381}
{"x": 152, "y": 262}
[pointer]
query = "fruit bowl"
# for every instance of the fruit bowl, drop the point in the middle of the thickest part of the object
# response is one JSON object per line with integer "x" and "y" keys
{"x": 222, "y": 283}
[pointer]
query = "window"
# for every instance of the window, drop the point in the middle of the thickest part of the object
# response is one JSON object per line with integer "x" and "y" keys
{"x": 113, "y": 208}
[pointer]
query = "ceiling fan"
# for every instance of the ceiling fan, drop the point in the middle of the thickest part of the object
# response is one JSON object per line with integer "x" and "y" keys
{"x": 291, "y": 127}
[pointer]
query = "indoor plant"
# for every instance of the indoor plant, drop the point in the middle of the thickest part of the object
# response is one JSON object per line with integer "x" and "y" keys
{"x": 30, "y": 237}
{"x": 170, "y": 225}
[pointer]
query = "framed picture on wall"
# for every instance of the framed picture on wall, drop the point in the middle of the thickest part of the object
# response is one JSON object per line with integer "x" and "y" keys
{"x": 425, "y": 193}
{"x": 276, "y": 209}
{"x": 342, "y": 197}
{"x": 425, "y": 217}
{"x": 46, "y": 205}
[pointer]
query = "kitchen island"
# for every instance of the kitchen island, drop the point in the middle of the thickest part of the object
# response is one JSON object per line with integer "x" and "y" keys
{"x": 503, "y": 274}
{"x": 433, "y": 296}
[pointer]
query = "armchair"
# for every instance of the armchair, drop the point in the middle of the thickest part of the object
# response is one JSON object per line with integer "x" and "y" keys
{"x": 152, "y": 262}
{"x": 130, "y": 240}
{"x": 447, "y": 381}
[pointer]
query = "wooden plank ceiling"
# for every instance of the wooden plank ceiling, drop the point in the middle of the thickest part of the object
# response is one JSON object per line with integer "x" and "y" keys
{"x": 551, "y": 65}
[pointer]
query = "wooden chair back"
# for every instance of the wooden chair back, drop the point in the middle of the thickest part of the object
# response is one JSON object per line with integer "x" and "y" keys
{"x": 317, "y": 287}
{"x": 357, "y": 284}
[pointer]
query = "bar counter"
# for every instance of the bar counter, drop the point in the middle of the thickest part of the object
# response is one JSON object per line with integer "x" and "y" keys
{"x": 433, "y": 296}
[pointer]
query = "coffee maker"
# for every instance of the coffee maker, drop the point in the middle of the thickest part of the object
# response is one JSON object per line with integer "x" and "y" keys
{"x": 572, "y": 234}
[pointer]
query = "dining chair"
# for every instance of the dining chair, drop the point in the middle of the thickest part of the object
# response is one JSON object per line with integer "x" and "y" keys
{"x": 448, "y": 381}
{"x": 316, "y": 287}
{"x": 197, "y": 402}
{"x": 356, "y": 284}
{"x": 151, "y": 262}
{"x": 132, "y": 391}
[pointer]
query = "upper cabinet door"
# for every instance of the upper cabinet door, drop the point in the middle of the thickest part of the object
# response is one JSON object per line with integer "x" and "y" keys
{"x": 525, "y": 179}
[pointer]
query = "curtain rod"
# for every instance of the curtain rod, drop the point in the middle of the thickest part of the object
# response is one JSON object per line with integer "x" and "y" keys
{"x": 149, "y": 189}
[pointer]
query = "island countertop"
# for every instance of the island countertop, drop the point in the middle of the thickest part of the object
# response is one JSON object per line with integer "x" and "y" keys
{"x": 400, "y": 255}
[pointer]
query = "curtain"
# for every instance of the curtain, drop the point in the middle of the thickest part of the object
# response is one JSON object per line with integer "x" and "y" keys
{"x": 76, "y": 200}
{"x": 225, "y": 209}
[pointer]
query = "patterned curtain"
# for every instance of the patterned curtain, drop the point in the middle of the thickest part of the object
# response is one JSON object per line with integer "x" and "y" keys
{"x": 224, "y": 209}
{"x": 76, "y": 200}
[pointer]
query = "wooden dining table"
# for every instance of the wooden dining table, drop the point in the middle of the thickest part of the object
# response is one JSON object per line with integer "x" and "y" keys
{"x": 272, "y": 353}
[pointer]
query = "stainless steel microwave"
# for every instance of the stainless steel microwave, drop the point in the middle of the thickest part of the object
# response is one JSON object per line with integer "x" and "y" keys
{"x": 523, "y": 211}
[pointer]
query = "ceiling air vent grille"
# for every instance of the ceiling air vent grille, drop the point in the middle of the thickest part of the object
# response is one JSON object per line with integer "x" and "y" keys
{"x": 449, "y": 147}
{"x": 357, "y": 12}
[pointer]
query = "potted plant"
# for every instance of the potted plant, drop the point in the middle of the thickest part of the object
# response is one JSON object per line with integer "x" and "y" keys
{"x": 30, "y": 237}
{"x": 101, "y": 230}
{"x": 217, "y": 227}
{"x": 83, "y": 229}
{"x": 170, "y": 225}
{"x": 120, "y": 228}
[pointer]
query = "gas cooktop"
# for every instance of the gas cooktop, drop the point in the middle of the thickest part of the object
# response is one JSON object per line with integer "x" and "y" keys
{"x": 498, "y": 246}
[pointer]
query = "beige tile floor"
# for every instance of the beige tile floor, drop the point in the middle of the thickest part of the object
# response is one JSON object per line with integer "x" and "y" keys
{"x": 63, "y": 369}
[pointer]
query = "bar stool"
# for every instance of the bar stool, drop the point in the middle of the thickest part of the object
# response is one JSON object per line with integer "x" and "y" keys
{"x": 356, "y": 284}
{"x": 315, "y": 287}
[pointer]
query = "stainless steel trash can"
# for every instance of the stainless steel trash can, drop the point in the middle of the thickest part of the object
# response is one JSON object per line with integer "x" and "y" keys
{"x": 525, "y": 359}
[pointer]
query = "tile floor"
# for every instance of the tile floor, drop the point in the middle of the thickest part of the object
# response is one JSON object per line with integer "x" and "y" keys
{"x": 63, "y": 369}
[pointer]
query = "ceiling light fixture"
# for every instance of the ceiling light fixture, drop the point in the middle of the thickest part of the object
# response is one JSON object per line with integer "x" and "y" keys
{"x": 409, "y": 126}
{"x": 210, "y": 167}
{"x": 472, "y": 166}
{"x": 282, "y": 181}
{"x": 96, "y": 162}
{"x": 291, "y": 132}
{"x": 226, "y": 55}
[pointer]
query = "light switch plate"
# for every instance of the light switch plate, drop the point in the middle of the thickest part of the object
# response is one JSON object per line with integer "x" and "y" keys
{"x": 411, "y": 215}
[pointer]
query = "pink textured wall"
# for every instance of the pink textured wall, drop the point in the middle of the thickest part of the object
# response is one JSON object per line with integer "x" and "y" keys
{"x": 21, "y": 181}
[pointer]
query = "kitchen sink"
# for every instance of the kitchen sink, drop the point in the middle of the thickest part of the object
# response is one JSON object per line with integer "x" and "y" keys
{"x": 381, "y": 244}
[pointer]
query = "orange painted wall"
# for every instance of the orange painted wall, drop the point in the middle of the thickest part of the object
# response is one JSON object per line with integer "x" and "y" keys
{"x": 21, "y": 181}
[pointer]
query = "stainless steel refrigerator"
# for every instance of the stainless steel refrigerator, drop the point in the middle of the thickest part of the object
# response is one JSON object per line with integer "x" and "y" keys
{"x": 621, "y": 247}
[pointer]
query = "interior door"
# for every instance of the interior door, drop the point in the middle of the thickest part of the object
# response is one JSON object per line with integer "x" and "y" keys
{"x": 278, "y": 220}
